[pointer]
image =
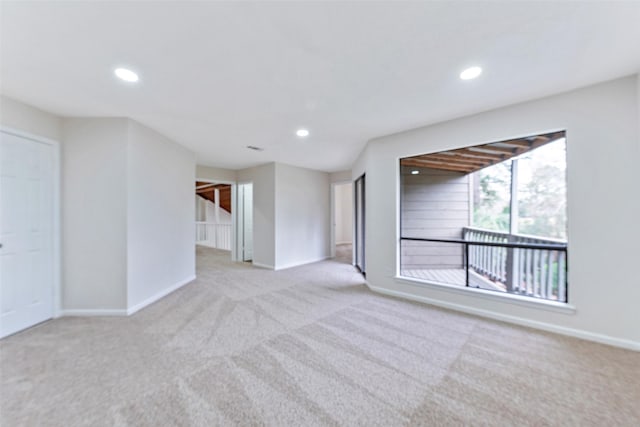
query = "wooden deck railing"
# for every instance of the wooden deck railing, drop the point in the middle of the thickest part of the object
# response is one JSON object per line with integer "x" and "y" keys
{"x": 538, "y": 268}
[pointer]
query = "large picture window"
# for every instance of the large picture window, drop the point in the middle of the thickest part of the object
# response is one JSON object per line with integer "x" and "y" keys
{"x": 491, "y": 216}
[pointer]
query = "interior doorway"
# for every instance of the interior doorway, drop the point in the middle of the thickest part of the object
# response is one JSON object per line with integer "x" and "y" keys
{"x": 29, "y": 231}
{"x": 245, "y": 222}
{"x": 342, "y": 230}
{"x": 359, "y": 217}
{"x": 214, "y": 216}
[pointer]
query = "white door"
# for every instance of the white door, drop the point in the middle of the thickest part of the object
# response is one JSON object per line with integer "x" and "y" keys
{"x": 26, "y": 233}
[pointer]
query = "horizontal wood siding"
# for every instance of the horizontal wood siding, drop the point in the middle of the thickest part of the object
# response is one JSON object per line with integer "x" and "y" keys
{"x": 435, "y": 204}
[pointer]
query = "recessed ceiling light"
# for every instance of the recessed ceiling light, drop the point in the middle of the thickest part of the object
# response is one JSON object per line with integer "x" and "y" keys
{"x": 415, "y": 172}
{"x": 126, "y": 75}
{"x": 471, "y": 73}
{"x": 302, "y": 133}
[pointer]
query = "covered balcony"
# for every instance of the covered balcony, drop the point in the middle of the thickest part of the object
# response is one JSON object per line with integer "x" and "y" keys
{"x": 491, "y": 217}
{"x": 213, "y": 215}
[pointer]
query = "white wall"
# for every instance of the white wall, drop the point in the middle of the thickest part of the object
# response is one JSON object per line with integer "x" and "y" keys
{"x": 201, "y": 208}
{"x": 342, "y": 176}
{"x": 160, "y": 212}
{"x": 302, "y": 215}
{"x": 603, "y": 207}
{"x": 110, "y": 207}
{"x": 216, "y": 174}
{"x": 264, "y": 217}
{"x": 245, "y": 220}
{"x": 94, "y": 214}
{"x": 343, "y": 213}
{"x": 17, "y": 115}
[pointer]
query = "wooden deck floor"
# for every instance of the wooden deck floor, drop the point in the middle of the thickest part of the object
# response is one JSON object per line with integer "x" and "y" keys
{"x": 453, "y": 277}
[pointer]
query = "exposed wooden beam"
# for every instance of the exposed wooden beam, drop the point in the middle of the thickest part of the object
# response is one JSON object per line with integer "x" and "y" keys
{"x": 201, "y": 187}
{"x": 205, "y": 190}
{"x": 456, "y": 160}
{"x": 517, "y": 143}
{"x": 435, "y": 165}
{"x": 479, "y": 154}
{"x": 471, "y": 159}
{"x": 497, "y": 149}
{"x": 451, "y": 168}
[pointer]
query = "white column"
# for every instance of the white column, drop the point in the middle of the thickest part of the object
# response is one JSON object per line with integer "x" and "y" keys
{"x": 216, "y": 202}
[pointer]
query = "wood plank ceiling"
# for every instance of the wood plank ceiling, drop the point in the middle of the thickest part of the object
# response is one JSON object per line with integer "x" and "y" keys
{"x": 206, "y": 190}
{"x": 471, "y": 159}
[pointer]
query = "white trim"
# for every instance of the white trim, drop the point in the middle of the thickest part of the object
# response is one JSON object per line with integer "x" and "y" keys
{"x": 234, "y": 205}
{"x": 214, "y": 181}
{"x": 238, "y": 222}
{"x": 57, "y": 221}
{"x": 159, "y": 295}
{"x": 332, "y": 207}
{"x": 492, "y": 295}
{"x": 298, "y": 264}
{"x": 23, "y": 134}
{"x": 94, "y": 312}
{"x": 260, "y": 265}
{"x": 332, "y": 218}
{"x": 57, "y": 258}
{"x": 342, "y": 243}
{"x": 577, "y": 333}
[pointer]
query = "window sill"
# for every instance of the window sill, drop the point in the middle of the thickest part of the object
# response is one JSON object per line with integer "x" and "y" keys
{"x": 530, "y": 302}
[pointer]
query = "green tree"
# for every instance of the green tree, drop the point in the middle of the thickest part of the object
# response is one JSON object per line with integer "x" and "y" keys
{"x": 491, "y": 198}
{"x": 543, "y": 203}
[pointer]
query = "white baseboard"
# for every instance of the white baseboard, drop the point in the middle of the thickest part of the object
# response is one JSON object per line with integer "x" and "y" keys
{"x": 93, "y": 313}
{"x": 298, "y": 264}
{"x": 159, "y": 295}
{"x": 577, "y": 333}
{"x": 260, "y": 265}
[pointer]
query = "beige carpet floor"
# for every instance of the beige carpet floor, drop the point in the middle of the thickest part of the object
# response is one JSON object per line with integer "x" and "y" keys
{"x": 308, "y": 346}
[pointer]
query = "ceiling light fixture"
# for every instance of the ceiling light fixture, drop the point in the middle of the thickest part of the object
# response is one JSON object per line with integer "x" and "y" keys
{"x": 126, "y": 75}
{"x": 415, "y": 172}
{"x": 302, "y": 133}
{"x": 471, "y": 73}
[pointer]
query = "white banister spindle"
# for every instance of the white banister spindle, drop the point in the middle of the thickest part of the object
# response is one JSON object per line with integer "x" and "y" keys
{"x": 536, "y": 277}
{"x": 536, "y": 272}
{"x": 561, "y": 277}
{"x": 214, "y": 235}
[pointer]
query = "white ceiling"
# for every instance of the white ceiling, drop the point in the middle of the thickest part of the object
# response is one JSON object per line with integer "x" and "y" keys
{"x": 217, "y": 77}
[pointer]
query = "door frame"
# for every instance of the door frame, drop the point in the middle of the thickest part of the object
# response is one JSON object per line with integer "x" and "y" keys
{"x": 239, "y": 222}
{"x": 332, "y": 205}
{"x": 233, "y": 209}
{"x": 359, "y": 227}
{"x": 56, "y": 248}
